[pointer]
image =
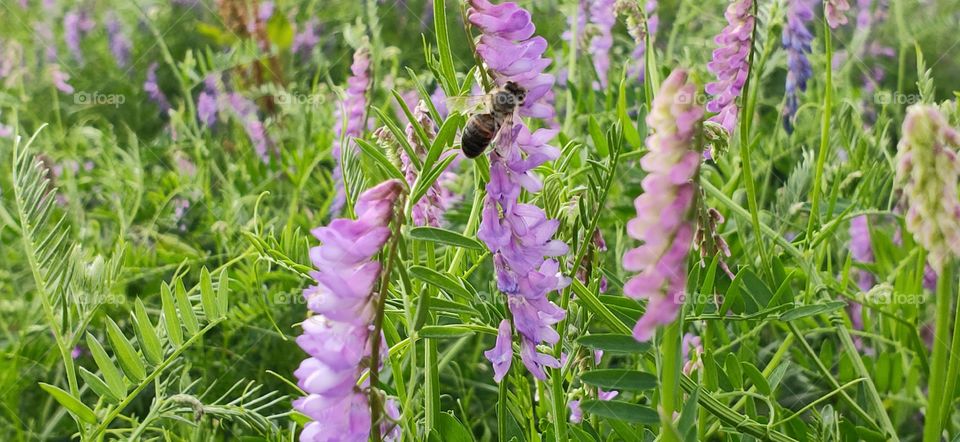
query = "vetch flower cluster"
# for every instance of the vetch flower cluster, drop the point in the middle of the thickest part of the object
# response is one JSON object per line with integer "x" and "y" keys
{"x": 120, "y": 45}
{"x": 350, "y": 118}
{"x": 153, "y": 90}
{"x": 76, "y": 24}
{"x": 665, "y": 216}
{"x": 512, "y": 53}
{"x": 796, "y": 41}
{"x": 429, "y": 210}
{"x": 338, "y": 336}
{"x": 927, "y": 171}
{"x": 835, "y": 12}
{"x": 730, "y": 63}
{"x": 861, "y": 250}
{"x": 602, "y": 17}
{"x": 519, "y": 235}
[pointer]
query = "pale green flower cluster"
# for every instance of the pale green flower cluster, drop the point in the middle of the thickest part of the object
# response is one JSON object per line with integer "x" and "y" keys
{"x": 928, "y": 171}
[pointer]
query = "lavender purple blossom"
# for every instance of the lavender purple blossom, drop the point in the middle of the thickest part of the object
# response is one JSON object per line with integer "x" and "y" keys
{"x": 60, "y": 80}
{"x": 153, "y": 89}
{"x": 429, "y": 210}
{"x": 208, "y": 101}
{"x": 246, "y": 112}
{"x": 519, "y": 235}
{"x": 509, "y": 49}
{"x": 602, "y": 17}
{"x": 338, "y": 337}
{"x": 120, "y": 45}
{"x": 835, "y": 12}
{"x": 796, "y": 41}
{"x": 730, "y": 63}
{"x": 76, "y": 24}
{"x": 861, "y": 250}
{"x": 664, "y": 220}
{"x": 307, "y": 39}
{"x": 351, "y": 119}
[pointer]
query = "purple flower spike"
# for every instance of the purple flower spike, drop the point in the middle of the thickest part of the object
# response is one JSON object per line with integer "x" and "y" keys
{"x": 246, "y": 111}
{"x": 429, "y": 210}
{"x": 510, "y": 50}
{"x": 730, "y": 64}
{"x": 76, "y": 24}
{"x": 337, "y": 338}
{"x": 153, "y": 89}
{"x": 602, "y": 17}
{"x": 351, "y": 113}
{"x": 665, "y": 221}
{"x": 207, "y": 101}
{"x": 306, "y": 39}
{"x": 835, "y": 12}
{"x": 861, "y": 250}
{"x": 796, "y": 40}
{"x": 120, "y": 45}
{"x": 520, "y": 236}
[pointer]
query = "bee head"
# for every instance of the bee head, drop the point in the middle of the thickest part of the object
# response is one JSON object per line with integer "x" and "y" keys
{"x": 518, "y": 91}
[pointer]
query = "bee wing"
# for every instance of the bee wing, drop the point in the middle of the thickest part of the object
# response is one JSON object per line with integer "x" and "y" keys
{"x": 505, "y": 135}
{"x": 468, "y": 104}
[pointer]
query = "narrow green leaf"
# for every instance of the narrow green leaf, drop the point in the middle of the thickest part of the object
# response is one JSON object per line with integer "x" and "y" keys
{"x": 98, "y": 386}
{"x": 187, "y": 315}
{"x": 111, "y": 374}
{"x": 208, "y": 299}
{"x": 620, "y": 410}
{"x": 449, "y": 76}
{"x": 442, "y": 236}
{"x": 805, "y": 311}
{"x": 452, "y": 430}
{"x": 170, "y": 319}
{"x": 445, "y": 306}
{"x": 127, "y": 356}
{"x": 444, "y": 331}
{"x": 439, "y": 280}
{"x": 629, "y": 128}
{"x": 731, "y": 367}
{"x": 425, "y": 181}
{"x": 620, "y": 379}
{"x": 147, "y": 334}
{"x": 378, "y": 157}
{"x": 756, "y": 377}
{"x": 223, "y": 293}
{"x": 400, "y": 136}
{"x": 71, "y": 403}
{"x": 613, "y": 343}
{"x": 599, "y": 140}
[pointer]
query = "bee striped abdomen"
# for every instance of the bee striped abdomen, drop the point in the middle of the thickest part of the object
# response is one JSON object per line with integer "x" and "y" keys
{"x": 478, "y": 133}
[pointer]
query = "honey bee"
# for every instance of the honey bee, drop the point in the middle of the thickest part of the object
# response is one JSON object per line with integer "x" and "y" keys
{"x": 496, "y": 114}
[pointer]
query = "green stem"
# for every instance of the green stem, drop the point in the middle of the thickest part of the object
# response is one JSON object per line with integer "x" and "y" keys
{"x": 824, "y": 136}
{"x": 953, "y": 372}
{"x": 670, "y": 377}
{"x": 932, "y": 425}
{"x": 745, "y": 120}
